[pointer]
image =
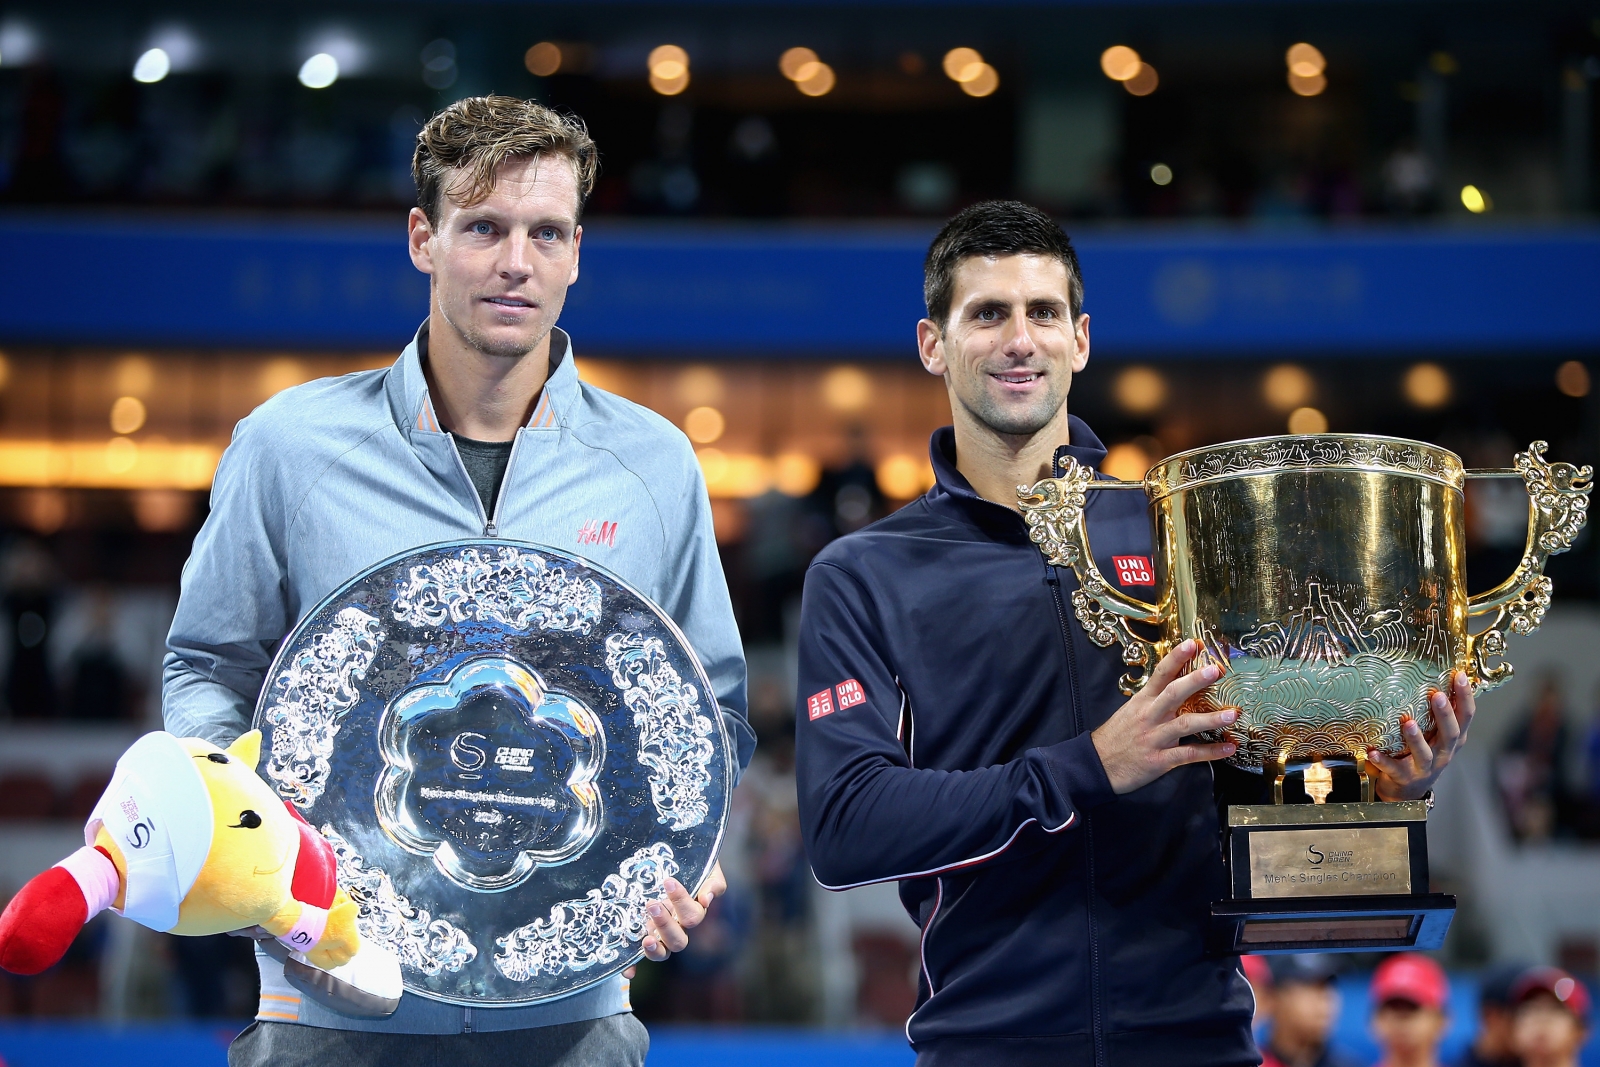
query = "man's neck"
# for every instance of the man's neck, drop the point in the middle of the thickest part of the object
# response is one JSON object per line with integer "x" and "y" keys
{"x": 479, "y": 396}
{"x": 994, "y": 464}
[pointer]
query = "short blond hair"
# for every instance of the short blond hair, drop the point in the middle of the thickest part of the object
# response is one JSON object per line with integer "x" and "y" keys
{"x": 479, "y": 133}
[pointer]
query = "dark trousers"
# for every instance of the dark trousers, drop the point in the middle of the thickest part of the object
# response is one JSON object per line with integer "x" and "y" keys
{"x": 615, "y": 1041}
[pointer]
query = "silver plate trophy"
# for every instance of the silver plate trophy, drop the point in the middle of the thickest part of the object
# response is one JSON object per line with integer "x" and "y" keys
{"x": 510, "y": 751}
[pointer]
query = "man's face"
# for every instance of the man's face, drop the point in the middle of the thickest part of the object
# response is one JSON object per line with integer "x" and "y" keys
{"x": 501, "y": 268}
{"x": 1408, "y": 1028}
{"x": 1010, "y": 346}
{"x": 1305, "y": 1010}
{"x": 1545, "y": 1033}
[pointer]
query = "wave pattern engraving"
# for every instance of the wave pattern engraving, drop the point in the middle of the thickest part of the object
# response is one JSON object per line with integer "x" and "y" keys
{"x": 593, "y": 930}
{"x": 422, "y": 942}
{"x": 1318, "y": 682}
{"x": 674, "y": 738}
{"x": 1307, "y": 453}
{"x": 505, "y": 585}
{"x": 309, "y": 696}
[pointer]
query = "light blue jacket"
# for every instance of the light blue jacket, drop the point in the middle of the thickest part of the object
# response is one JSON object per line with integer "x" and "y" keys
{"x": 331, "y": 477}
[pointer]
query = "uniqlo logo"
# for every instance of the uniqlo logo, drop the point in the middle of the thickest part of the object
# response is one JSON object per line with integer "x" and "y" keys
{"x": 850, "y": 693}
{"x": 820, "y": 704}
{"x": 1134, "y": 570}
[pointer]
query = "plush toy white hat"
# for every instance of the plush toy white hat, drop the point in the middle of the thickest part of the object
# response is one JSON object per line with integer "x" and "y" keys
{"x": 158, "y": 809}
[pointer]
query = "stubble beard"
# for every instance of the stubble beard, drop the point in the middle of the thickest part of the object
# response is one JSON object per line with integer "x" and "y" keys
{"x": 1022, "y": 421}
{"x": 480, "y": 342}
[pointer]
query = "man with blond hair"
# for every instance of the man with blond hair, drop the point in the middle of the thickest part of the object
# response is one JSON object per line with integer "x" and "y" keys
{"x": 480, "y": 429}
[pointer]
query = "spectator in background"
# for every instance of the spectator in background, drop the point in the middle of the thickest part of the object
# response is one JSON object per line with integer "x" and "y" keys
{"x": 1532, "y": 767}
{"x": 1305, "y": 1006}
{"x": 1410, "y": 997}
{"x": 1552, "y": 1018}
{"x": 1259, "y": 974}
{"x": 29, "y": 581}
{"x": 1492, "y": 1046}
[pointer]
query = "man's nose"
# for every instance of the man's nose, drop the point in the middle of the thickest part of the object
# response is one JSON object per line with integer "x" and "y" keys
{"x": 1019, "y": 339}
{"x": 516, "y": 260}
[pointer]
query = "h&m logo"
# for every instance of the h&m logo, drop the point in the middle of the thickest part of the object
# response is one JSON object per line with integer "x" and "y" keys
{"x": 596, "y": 532}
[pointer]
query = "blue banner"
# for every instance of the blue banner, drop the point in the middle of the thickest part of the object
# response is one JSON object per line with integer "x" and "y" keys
{"x": 832, "y": 292}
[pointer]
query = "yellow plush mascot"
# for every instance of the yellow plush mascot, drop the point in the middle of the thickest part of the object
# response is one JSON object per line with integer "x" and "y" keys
{"x": 188, "y": 839}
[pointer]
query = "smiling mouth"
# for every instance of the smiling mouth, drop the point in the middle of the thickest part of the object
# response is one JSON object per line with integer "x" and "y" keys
{"x": 513, "y": 302}
{"x": 1016, "y": 377}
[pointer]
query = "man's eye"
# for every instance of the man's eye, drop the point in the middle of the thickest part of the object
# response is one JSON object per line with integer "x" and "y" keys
{"x": 988, "y": 315}
{"x": 549, "y": 233}
{"x": 483, "y": 229}
{"x": 1044, "y": 313}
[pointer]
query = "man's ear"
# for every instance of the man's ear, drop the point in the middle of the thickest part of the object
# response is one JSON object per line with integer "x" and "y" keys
{"x": 246, "y": 748}
{"x": 577, "y": 246}
{"x": 418, "y": 233}
{"x": 1080, "y": 341}
{"x": 930, "y": 347}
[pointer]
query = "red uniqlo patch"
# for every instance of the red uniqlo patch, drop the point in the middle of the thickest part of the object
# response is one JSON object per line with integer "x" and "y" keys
{"x": 850, "y": 693}
{"x": 820, "y": 704}
{"x": 1134, "y": 570}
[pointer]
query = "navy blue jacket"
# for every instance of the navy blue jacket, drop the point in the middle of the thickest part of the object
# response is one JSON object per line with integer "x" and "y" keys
{"x": 945, "y": 704}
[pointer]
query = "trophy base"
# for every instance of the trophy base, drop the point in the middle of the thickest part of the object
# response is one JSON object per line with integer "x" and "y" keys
{"x": 1367, "y": 923}
{"x": 1349, "y": 877}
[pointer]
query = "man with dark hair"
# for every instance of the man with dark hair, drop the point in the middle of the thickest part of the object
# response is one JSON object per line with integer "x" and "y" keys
{"x": 480, "y": 429}
{"x": 957, "y": 732}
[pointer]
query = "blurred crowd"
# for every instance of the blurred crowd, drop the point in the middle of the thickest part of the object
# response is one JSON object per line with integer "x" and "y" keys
{"x": 1524, "y": 1016}
{"x": 1548, "y": 772}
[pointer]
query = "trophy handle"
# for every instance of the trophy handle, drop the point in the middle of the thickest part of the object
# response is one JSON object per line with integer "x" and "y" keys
{"x": 1053, "y": 510}
{"x": 1558, "y": 506}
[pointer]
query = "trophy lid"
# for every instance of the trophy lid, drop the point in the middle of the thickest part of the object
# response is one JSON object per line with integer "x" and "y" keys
{"x": 1304, "y": 452}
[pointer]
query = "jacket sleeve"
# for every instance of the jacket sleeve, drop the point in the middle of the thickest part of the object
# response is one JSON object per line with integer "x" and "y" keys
{"x": 232, "y": 608}
{"x": 868, "y": 814}
{"x": 696, "y": 596}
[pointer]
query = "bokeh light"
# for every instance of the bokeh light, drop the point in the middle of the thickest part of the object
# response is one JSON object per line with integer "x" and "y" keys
{"x": 1305, "y": 60}
{"x": 704, "y": 425}
{"x": 669, "y": 69}
{"x": 1144, "y": 81}
{"x": 1161, "y": 174}
{"x": 983, "y": 83}
{"x": 1287, "y": 386}
{"x": 793, "y": 59}
{"x": 152, "y": 66}
{"x": 319, "y": 71}
{"x": 846, "y": 389}
{"x": 1119, "y": 62}
{"x": 815, "y": 78}
{"x": 127, "y": 415}
{"x": 963, "y": 64}
{"x": 1139, "y": 390}
{"x": 543, "y": 59}
{"x": 1427, "y": 385}
{"x": 1475, "y": 200}
{"x": 1572, "y": 378}
{"x": 1307, "y": 420}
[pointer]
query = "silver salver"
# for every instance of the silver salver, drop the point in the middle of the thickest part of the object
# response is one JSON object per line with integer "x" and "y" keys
{"x": 510, "y": 750}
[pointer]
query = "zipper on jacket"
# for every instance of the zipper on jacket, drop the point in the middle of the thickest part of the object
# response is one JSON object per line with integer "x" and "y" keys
{"x": 1054, "y": 581}
{"x": 466, "y": 1020}
{"x": 490, "y": 526}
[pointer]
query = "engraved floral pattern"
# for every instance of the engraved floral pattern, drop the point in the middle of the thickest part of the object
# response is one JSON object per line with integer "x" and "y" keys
{"x": 311, "y": 693}
{"x": 674, "y": 738}
{"x": 384, "y": 916}
{"x": 505, "y": 585}
{"x": 593, "y": 930}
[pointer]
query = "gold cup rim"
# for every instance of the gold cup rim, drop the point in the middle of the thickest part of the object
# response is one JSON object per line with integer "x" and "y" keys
{"x": 1255, "y": 456}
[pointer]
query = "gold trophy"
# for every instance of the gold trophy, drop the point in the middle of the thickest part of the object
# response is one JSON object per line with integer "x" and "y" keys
{"x": 1325, "y": 574}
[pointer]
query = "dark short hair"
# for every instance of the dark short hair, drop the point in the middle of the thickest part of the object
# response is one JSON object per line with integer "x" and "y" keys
{"x": 995, "y": 228}
{"x": 465, "y": 144}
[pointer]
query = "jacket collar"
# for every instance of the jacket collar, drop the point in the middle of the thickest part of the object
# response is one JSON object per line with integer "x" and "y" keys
{"x": 412, "y": 407}
{"x": 951, "y": 488}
